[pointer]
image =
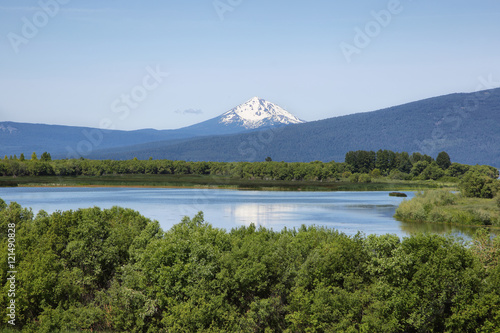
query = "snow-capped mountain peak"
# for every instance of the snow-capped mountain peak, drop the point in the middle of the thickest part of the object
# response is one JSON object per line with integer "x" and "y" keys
{"x": 258, "y": 112}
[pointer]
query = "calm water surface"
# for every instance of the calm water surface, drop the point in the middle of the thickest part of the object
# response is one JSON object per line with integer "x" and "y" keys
{"x": 348, "y": 212}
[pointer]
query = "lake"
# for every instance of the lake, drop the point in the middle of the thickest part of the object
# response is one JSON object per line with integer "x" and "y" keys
{"x": 348, "y": 212}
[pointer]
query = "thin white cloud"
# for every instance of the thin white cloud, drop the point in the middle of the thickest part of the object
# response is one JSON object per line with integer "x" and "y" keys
{"x": 189, "y": 111}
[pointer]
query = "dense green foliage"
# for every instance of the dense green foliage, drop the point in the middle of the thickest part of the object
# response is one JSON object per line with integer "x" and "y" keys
{"x": 360, "y": 166}
{"x": 114, "y": 270}
{"x": 415, "y": 167}
{"x": 472, "y": 206}
{"x": 441, "y": 206}
{"x": 242, "y": 170}
{"x": 479, "y": 185}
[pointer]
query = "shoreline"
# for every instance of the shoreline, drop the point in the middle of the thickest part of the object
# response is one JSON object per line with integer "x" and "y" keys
{"x": 307, "y": 188}
{"x": 447, "y": 208}
{"x": 475, "y": 226}
{"x": 208, "y": 182}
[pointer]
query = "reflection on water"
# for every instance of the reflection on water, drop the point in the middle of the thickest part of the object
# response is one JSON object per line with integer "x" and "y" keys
{"x": 438, "y": 228}
{"x": 268, "y": 216}
{"x": 348, "y": 212}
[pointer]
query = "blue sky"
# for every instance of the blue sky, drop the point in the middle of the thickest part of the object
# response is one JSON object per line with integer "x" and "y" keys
{"x": 87, "y": 56}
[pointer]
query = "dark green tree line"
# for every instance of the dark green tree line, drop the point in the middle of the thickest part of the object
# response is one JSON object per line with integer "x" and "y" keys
{"x": 415, "y": 167}
{"x": 363, "y": 166}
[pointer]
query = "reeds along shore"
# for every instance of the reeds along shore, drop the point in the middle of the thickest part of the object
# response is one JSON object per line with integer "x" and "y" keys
{"x": 442, "y": 206}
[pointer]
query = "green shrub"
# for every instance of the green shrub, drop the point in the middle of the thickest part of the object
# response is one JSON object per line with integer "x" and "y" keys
{"x": 432, "y": 171}
{"x": 346, "y": 174}
{"x": 364, "y": 178}
{"x": 398, "y": 175}
{"x": 354, "y": 178}
{"x": 477, "y": 185}
{"x": 457, "y": 170}
{"x": 495, "y": 187}
{"x": 438, "y": 197}
{"x": 448, "y": 179}
{"x": 438, "y": 215}
{"x": 426, "y": 206}
{"x": 418, "y": 168}
{"x": 375, "y": 173}
{"x": 411, "y": 210}
{"x": 482, "y": 217}
{"x": 398, "y": 194}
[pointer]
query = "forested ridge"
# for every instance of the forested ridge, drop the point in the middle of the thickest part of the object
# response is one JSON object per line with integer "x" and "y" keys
{"x": 464, "y": 125}
{"x": 116, "y": 271}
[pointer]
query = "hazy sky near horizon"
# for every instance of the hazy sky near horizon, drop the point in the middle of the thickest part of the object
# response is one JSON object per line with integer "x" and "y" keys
{"x": 105, "y": 63}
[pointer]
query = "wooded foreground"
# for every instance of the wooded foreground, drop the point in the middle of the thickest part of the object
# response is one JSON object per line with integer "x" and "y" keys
{"x": 114, "y": 270}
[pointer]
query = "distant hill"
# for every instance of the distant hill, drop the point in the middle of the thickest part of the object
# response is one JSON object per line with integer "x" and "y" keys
{"x": 466, "y": 125}
{"x": 73, "y": 142}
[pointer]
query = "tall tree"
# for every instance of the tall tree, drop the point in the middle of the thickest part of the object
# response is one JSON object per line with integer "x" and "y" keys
{"x": 416, "y": 157}
{"x": 361, "y": 160}
{"x": 403, "y": 162}
{"x": 443, "y": 160}
{"x": 45, "y": 157}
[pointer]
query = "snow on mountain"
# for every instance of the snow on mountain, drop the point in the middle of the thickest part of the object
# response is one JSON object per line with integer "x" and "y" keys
{"x": 257, "y": 113}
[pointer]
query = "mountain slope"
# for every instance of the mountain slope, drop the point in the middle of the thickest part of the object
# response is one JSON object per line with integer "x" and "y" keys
{"x": 466, "y": 125}
{"x": 70, "y": 141}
